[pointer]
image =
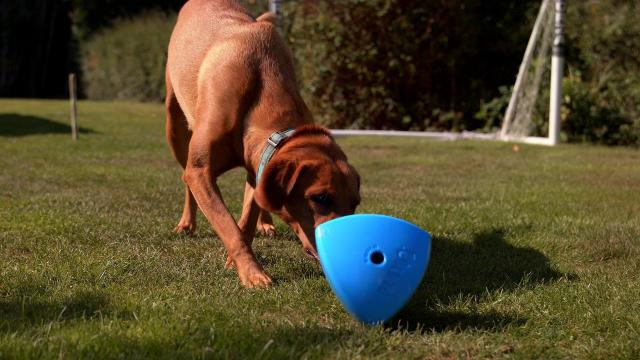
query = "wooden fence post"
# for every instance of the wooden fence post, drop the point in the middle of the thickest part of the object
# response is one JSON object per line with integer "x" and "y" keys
{"x": 73, "y": 99}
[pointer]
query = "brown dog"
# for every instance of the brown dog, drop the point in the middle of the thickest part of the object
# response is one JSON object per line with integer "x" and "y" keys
{"x": 230, "y": 86}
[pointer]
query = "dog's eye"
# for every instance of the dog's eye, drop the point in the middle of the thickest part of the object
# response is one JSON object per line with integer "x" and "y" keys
{"x": 321, "y": 199}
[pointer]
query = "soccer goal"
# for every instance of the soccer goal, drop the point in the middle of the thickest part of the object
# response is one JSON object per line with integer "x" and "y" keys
{"x": 537, "y": 92}
{"x": 533, "y": 113}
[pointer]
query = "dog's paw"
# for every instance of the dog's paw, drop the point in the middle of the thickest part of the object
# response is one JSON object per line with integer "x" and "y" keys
{"x": 265, "y": 224}
{"x": 266, "y": 229}
{"x": 185, "y": 227}
{"x": 260, "y": 279}
{"x": 229, "y": 264}
{"x": 252, "y": 275}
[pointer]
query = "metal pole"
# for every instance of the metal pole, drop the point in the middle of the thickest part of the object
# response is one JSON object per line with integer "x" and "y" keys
{"x": 274, "y": 6}
{"x": 72, "y": 105}
{"x": 557, "y": 65}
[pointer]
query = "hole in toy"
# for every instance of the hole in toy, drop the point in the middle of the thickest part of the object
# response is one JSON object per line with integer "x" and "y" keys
{"x": 377, "y": 257}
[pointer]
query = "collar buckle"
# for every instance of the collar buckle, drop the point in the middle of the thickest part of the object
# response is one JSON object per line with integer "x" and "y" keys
{"x": 276, "y": 138}
{"x": 272, "y": 144}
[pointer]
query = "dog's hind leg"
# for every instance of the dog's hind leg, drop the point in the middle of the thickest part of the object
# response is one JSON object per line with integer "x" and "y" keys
{"x": 178, "y": 137}
{"x": 250, "y": 211}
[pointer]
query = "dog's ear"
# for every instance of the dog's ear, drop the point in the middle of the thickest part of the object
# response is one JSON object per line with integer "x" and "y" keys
{"x": 276, "y": 183}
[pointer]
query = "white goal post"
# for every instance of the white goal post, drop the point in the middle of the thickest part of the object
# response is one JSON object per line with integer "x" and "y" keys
{"x": 274, "y": 6}
{"x": 537, "y": 38}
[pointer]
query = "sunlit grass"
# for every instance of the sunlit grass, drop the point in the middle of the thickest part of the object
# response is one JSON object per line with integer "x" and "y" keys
{"x": 534, "y": 256}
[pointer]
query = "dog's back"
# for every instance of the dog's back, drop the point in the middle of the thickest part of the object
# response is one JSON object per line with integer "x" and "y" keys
{"x": 212, "y": 34}
{"x": 201, "y": 23}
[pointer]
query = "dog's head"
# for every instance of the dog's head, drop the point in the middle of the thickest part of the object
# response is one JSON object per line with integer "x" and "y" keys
{"x": 308, "y": 182}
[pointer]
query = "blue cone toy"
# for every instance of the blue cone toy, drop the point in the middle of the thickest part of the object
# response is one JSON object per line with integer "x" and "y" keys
{"x": 374, "y": 263}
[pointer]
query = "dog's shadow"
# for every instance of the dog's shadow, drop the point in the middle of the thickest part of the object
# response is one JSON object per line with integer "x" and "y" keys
{"x": 462, "y": 270}
{"x": 16, "y": 125}
{"x": 29, "y": 305}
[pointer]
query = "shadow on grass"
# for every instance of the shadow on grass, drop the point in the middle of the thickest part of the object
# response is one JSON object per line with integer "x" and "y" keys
{"x": 209, "y": 340}
{"x": 28, "y": 309}
{"x": 15, "y": 125}
{"x": 430, "y": 320}
{"x": 459, "y": 271}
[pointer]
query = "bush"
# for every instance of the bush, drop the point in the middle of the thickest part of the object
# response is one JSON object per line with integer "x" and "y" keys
{"x": 410, "y": 64}
{"x": 91, "y": 16}
{"x": 492, "y": 112}
{"x": 400, "y": 64}
{"x": 127, "y": 61}
{"x": 602, "y": 102}
{"x": 587, "y": 119}
{"x": 406, "y": 65}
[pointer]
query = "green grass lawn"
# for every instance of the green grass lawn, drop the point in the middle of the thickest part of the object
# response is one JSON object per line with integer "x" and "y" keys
{"x": 535, "y": 252}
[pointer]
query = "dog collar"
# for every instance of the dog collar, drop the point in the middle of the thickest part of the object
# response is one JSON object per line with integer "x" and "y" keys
{"x": 272, "y": 145}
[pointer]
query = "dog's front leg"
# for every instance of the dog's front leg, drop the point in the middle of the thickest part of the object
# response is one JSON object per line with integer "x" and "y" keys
{"x": 199, "y": 175}
{"x": 248, "y": 219}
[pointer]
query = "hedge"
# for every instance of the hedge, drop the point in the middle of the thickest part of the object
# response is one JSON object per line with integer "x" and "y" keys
{"x": 127, "y": 61}
{"x": 409, "y": 64}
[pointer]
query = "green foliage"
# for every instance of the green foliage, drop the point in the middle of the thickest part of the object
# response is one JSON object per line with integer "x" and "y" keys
{"x": 392, "y": 64}
{"x": 351, "y": 74}
{"x": 125, "y": 58}
{"x": 127, "y": 61}
{"x": 407, "y": 65}
{"x": 257, "y": 7}
{"x": 404, "y": 64}
{"x": 603, "y": 86}
{"x": 491, "y": 113}
{"x": 92, "y": 16}
{"x": 586, "y": 118}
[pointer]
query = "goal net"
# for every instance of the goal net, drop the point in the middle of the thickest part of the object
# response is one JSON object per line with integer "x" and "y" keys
{"x": 527, "y": 116}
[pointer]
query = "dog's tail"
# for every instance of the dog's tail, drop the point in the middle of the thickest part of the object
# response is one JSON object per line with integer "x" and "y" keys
{"x": 268, "y": 17}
